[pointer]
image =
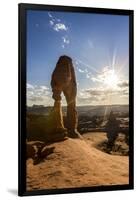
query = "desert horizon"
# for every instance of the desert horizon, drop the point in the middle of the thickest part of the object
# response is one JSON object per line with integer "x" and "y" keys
{"x": 40, "y": 105}
{"x": 72, "y": 162}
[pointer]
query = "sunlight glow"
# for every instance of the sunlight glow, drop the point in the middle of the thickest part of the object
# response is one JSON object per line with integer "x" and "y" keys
{"x": 111, "y": 79}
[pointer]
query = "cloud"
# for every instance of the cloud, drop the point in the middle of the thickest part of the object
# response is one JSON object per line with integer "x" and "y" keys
{"x": 50, "y": 15}
{"x": 124, "y": 88}
{"x": 60, "y": 27}
{"x": 107, "y": 87}
{"x": 102, "y": 95}
{"x": 63, "y": 46}
{"x": 80, "y": 70}
{"x": 101, "y": 91}
{"x": 87, "y": 76}
{"x": 38, "y": 94}
{"x": 51, "y": 22}
{"x": 94, "y": 79}
{"x": 56, "y": 23}
{"x": 30, "y": 87}
{"x": 103, "y": 75}
{"x": 85, "y": 97}
{"x": 86, "y": 101}
{"x": 88, "y": 66}
{"x": 65, "y": 41}
{"x": 85, "y": 72}
{"x": 123, "y": 84}
{"x": 35, "y": 99}
{"x": 110, "y": 79}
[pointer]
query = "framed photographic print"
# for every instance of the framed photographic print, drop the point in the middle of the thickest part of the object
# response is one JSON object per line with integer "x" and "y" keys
{"x": 75, "y": 99}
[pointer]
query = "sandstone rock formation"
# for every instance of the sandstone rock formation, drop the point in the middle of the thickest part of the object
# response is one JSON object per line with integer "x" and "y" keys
{"x": 64, "y": 80}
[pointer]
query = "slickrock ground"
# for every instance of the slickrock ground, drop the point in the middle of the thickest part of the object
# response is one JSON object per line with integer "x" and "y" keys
{"x": 78, "y": 163}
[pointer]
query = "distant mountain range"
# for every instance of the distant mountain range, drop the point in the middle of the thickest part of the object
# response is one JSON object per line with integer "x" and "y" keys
{"x": 88, "y": 110}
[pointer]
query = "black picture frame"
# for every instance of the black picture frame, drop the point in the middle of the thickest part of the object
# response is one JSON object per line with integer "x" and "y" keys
{"x": 22, "y": 8}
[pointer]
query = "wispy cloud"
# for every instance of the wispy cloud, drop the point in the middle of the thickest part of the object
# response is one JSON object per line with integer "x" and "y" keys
{"x": 123, "y": 84}
{"x": 107, "y": 86}
{"x": 101, "y": 76}
{"x": 60, "y": 27}
{"x": 63, "y": 46}
{"x": 102, "y": 95}
{"x": 56, "y": 23}
{"x": 87, "y": 76}
{"x": 80, "y": 70}
{"x": 50, "y": 15}
{"x": 38, "y": 94}
{"x": 65, "y": 39}
{"x": 85, "y": 65}
{"x": 108, "y": 77}
{"x": 29, "y": 86}
{"x": 51, "y": 22}
{"x": 110, "y": 86}
{"x": 84, "y": 70}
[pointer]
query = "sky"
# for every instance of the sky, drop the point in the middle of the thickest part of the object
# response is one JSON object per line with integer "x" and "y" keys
{"x": 98, "y": 45}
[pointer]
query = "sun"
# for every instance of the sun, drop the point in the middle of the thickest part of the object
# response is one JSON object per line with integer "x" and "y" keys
{"x": 111, "y": 79}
